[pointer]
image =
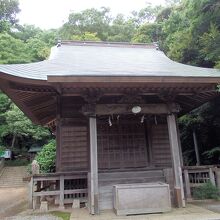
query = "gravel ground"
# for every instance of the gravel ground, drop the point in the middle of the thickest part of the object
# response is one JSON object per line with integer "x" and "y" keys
{"x": 32, "y": 217}
{"x": 12, "y": 201}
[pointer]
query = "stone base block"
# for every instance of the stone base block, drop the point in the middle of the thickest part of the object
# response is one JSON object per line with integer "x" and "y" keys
{"x": 76, "y": 204}
{"x": 44, "y": 206}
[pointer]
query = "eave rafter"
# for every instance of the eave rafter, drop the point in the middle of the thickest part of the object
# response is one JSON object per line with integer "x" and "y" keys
{"x": 75, "y": 90}
{"x": 32, "y": 88}
{"x": 36, "y": 101}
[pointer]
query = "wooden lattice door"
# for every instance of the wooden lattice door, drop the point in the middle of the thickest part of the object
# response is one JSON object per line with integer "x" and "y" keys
{"x": 122, "y": 145}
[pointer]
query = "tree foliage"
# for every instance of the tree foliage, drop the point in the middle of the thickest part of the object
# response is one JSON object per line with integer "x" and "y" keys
{"x": 46, "y": 157}
{"x": 87, "y": 36}
{"x": 188, "y": 31}
{"x": 15, "y": 127}
{"x": 191, "y": 32}
{"x": 90, "y": 20}
{"x": 8, "y": 13}
{"x": 20, "y": 44}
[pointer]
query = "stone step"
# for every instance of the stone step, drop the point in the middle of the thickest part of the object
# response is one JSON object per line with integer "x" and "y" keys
{"x": 13, "y": 176}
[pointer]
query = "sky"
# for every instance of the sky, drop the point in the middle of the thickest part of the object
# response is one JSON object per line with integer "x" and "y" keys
{"x": 48, "y": 14}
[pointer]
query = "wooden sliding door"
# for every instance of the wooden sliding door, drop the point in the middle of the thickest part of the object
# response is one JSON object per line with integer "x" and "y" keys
{"x": 122, "y": 145}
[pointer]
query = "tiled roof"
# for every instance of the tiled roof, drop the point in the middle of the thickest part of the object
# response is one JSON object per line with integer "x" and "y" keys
{"x": 103, "y": 59}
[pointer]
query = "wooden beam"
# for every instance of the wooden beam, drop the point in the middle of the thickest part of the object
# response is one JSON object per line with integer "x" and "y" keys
{"x": 94, "y": 209}
{"x": 109, "y": 109}
{"x": 175, "y": 151}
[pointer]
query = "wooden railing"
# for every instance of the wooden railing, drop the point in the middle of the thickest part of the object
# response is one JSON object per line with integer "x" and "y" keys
{"x": 62, "y": 187}
{"x": 195, "y": 176}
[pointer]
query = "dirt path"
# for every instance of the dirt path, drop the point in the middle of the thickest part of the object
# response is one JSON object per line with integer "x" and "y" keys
{"x": 12, "y": 201}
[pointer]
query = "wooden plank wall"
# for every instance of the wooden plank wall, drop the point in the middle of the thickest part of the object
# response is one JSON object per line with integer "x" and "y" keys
{"x": 160, "y": 146}
{"x": 74, "y": 139}
{"x": 74, "y": 150}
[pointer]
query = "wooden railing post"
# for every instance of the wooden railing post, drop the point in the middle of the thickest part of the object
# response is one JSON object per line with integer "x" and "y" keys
{"x": 30, "y": 193}
{"x": 217, "y": 174}
{"x": 187, "y": 184}
{"x": 61, "y": 192}
{"x": 175, "y": 151}
{"x": 212, "y": 176}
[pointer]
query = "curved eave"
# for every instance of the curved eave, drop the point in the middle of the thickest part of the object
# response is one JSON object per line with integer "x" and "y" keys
{"x": 16, "y": 95}
{"x": 20, "y": 79}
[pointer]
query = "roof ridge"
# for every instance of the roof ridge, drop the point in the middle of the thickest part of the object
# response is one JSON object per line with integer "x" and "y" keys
{"x": 108, "y": 44}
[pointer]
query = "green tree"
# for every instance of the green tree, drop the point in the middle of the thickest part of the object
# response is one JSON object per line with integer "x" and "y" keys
{"x": 87, "y": 36}
{"x": 121, "y": 30}
{"x": 13, "y": 50}
{"x": 25, "y": 32}
{"x": 188, "y": 30}
{"x": 147, "y": 33}
{"x": 37, "y": 49}
{"x": 210, "y": 45}
{"x": 18, "y": 126}
{"x": 90, "y": 20}
{"x": 8, "y": 13}
{"x": 146, "y": 15}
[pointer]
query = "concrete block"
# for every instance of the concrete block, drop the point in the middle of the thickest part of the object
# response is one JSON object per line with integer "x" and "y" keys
{"x": 141, "y": 198}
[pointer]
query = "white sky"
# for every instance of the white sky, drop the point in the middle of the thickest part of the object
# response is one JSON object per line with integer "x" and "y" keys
{"x": 53, "y": 13}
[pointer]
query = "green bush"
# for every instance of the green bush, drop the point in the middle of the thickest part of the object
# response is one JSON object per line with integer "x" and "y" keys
{"x": 206, "y": 191}
{"x": 47, "y": 157}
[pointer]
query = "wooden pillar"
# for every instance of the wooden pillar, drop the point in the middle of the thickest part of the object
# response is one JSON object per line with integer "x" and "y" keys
{"x": 58, "y": 131}
{"x": 175, "y": 151}
{"x": 94, "y": 207}
{"x": 149, "y": 140}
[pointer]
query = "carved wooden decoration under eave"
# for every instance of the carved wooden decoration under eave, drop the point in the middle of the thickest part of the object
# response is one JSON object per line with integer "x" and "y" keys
{"x": 167, "y": 96}
{"x": 131, "y": 98}
{"x": 155, "y": 109}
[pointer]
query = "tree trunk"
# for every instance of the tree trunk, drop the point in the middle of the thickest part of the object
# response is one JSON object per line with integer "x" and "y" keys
{"x": 13, "y": 140}
{"x": 196, "y": 148}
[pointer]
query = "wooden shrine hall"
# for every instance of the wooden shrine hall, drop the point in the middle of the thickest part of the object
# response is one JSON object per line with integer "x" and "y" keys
{"x": 113, "y": 108}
